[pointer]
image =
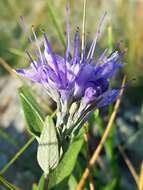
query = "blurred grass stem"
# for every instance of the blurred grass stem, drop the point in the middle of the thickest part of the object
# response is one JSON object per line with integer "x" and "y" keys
{"x": 6, "y": 66}
{"x": 83, "y": 28}
{"x": 8, "y": 184}
{"x": 110, "y": 39}
{"x": 16, "y": 156}
{"x": 130, "y": 166}
{"x": 56, "y": 23}
{"x": 141, "y": 178}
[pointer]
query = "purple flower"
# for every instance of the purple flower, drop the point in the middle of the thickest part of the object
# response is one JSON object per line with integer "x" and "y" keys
{"x": 97, "y": 77}
{"x": 74, "y": 78}
{"x": 71, "y": 75}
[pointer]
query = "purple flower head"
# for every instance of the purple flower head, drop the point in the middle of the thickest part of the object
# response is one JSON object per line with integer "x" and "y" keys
{"x": 73, "y": 78}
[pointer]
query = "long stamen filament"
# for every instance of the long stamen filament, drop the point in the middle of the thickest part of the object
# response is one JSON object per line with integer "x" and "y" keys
{"x": 34, "y": 33}
{"x": 67, "y": 31}
{"x": 92, "y": 48}
{"x": 83, "y": 29}
{"x": 31, "y": 59}
{"x": 23, "y": 25}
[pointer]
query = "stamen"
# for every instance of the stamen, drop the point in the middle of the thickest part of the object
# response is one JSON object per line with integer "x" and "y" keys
{"x": 50, "y": 52}
{"x": 101, "y": 57}
{"x": 117, "y": 46}
{"x": 76, "y": 46}
{"x": 23, "y": 25}
{"x": 92, "y": 48}
{"x": 84, "y": 50}
{"x": 67, "y": 52}
{"x": 31, "y": 59}
{"x": 34, "y": 33}
{"x": 65, "y": 67}
{"x": 67, "y": 31}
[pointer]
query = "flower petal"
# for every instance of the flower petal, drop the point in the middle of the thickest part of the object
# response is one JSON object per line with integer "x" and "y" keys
{"x": 107, "y": 98}
{"x": 76, "y": 46}
{"x": 31, "y": 73}
{"x": 109, "y": 68}
{"x": 89, "y": 94}
{"x": 86, "y": 72}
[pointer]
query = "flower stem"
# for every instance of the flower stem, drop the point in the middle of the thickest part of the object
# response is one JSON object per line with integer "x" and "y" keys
{"x": 46, "y": 182}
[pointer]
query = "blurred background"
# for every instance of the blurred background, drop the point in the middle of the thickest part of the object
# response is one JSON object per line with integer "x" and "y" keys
{"x": 124, "y": 22}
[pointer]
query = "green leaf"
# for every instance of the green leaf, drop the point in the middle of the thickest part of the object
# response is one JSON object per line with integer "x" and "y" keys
{"x": 34, "y": 187}
{"x": 96, "y": 113}
{"x": 66, "y": 166}
{"x": 111, "y": 185}
{"x": 16, "y": 52}
{"x": 72, "y": 182}
{"x": 33, "y": 115}
{"x": 48, "y": 150}
{"x": 41, "y": 183}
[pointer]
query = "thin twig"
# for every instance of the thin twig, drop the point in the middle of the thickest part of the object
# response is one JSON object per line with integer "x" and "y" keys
{"x": 103, "y": 139}
{"x": 5, "y": 65}
{"x": 130, "y": 165}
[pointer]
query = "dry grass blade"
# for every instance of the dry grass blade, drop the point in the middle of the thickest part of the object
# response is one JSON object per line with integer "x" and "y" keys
{"x": 5, "y": 65}
{"x": 103, "y": 139}
{"x": 141, "y": 178}
{"x": 5, "y": 105}
{"x": 91, "y": 184}
{"x": 130, "y": 166}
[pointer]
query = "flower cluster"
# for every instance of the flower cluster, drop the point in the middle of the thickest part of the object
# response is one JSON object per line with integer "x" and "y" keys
{"x": 76, "y": 82}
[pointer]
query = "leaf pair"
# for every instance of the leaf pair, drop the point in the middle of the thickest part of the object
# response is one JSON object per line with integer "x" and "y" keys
{"x": 48, "y": 150}
{"x": 44, "y": 131}
{"x": 59, "y": 177}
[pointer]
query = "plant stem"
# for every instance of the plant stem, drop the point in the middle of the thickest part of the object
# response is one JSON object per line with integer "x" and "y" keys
{"x": 130, "y": 165}
{"x": 8, "y": 184}
{"x": 16, "y": 156}
{"x": 46, "y": 182}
